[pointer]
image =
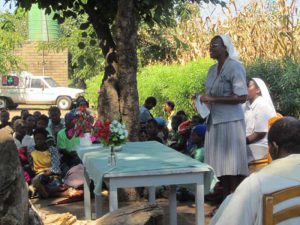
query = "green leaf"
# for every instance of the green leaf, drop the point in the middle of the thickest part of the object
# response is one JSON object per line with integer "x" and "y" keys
{"x": 48, "y": 11}
{"x": 81, "y": 45}
{"x": 93, "y": 42}
{"x": 90, "y": 61}
{"x": 84, "y": 26}
{"x": 84, "y": 34}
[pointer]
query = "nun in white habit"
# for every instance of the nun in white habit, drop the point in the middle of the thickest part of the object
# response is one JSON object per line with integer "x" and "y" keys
{"x": 259, "y": 109}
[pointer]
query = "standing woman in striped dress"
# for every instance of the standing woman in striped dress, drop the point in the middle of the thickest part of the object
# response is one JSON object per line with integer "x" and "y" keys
{"x": 225, "y": 140}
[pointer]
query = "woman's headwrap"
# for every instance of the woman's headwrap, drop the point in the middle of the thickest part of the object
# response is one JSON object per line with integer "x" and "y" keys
{"x": 70, "y": 116}
{"x": 232, "y": 53}
{"x": 264, "y": 93}
{"x": 199, "y": 130}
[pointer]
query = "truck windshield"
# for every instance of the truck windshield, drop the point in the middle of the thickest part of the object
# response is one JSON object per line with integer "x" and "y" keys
{"x": 51, "y": 82}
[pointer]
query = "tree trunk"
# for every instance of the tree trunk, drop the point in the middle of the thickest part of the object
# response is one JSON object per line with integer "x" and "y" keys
{"x": 13, "y": 190}
{"x": 127, "y": 66}
{"x": 118, "y": 97}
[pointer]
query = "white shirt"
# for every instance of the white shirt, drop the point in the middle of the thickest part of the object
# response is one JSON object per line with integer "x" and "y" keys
{"x": 257, "y": 116}
{"x": 245, "y": 206}
{"x": 27, "y": 141}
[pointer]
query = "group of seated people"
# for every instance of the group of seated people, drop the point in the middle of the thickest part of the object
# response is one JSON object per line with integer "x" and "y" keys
{"x": 46, "y": 149}
{"x": 188, "y": 136}
{"x": 177, "y": 130}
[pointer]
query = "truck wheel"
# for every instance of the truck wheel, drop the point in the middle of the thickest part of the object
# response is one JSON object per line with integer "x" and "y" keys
{"x": 64, "y": 102}
{"x": 3, "y": 103}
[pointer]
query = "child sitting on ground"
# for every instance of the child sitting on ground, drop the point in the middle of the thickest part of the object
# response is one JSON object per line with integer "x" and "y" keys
{"x": 45, "y": 162}
{"x": 197, "y": 136}
{"x": 152, "y": 131}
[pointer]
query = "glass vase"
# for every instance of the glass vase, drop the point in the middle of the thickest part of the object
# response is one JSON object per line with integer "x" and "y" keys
{"x": 112, "y": 158}
{"x": 85, "y": 140}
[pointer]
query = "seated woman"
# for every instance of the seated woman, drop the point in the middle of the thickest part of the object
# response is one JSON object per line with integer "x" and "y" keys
{"x": 258, "y": 110}
{"x": 67, "y": 142}
{"x": 72, "y": 169}
{"x": 244, "y": 206}
{"x": 45, "y": 162}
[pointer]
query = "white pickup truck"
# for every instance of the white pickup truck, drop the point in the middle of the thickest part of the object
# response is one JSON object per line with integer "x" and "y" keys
{"x": 26, "y": 88}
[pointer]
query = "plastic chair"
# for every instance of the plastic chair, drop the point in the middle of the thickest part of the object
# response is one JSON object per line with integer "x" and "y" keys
{"x": 269, "y": 200}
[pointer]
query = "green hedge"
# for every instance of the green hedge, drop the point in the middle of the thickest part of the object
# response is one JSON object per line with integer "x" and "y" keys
{"x": 178, "y": 82}
{"x": 173, "y": 82}
{"x": 91, "y": 92}
{"x": 283, "y": 80}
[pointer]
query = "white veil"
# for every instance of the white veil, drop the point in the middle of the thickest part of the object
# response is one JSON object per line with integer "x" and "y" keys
{"x": 232, "y": 53}
{"x": 264, "y": 92}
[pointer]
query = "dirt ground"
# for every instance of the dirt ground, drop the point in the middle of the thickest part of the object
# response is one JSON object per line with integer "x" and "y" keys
{"x": 185, "y": 210}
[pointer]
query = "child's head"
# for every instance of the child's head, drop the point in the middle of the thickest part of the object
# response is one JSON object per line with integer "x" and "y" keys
{"x": 151, "y": 128}
{"x": 4, "y": 116}
{"x": 24, "y": 114}
{"x": 198, "y": 135}
{"x": 169, "y": 106}
{"x": 20, "y": 127}
{"x": 54, "y": 114}
{"x": 42, "y": 121}
{"x": 30, "y": 120}
{"x": 82, "y": 103}
{"x": 37, "y": 115}
{"x": 196, "y": 120}
{"x": 40, "y": 136}
{"x": 69, "y": 117}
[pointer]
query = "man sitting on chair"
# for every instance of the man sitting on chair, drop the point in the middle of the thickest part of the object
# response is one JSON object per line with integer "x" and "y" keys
{"x": 244, "y": 206}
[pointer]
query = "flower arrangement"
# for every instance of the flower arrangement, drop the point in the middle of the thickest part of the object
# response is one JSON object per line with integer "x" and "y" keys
{"x": 83, "y": 122}
{"x": 109, "y": 133}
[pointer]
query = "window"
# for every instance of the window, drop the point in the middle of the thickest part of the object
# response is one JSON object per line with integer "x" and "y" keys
{"x": 51, "y": 82}
{"x": 36, "y": 83}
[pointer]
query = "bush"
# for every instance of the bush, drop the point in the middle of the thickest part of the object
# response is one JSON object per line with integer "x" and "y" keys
{"x": 91, "y": 92}
{"x": 173, "y": 82}
{"x": 178, "y": 82}
{"x": 166, "y": 82}
{"x": 283, "y": 80}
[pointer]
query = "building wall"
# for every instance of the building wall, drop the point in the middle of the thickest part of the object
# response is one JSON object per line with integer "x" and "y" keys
{"x": 55, "y": 63}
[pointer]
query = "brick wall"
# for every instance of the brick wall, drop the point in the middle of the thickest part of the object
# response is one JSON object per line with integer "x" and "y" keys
{"x": 56, "y": 63}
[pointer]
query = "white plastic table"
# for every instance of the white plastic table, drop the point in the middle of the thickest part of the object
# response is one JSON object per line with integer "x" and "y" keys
{"x": 144, "y": 164}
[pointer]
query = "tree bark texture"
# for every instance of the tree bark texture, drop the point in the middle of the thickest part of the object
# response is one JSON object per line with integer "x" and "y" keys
{"x": 13, "y": 190}
{"x": 127, "y": 66}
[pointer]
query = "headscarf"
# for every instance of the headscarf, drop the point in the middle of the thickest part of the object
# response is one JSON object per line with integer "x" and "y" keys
{"x": 232, "y": 53}
{"x": 70, "y": 116}
{"x": 199, "y": 130}
{"x": 265, "y": 93}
